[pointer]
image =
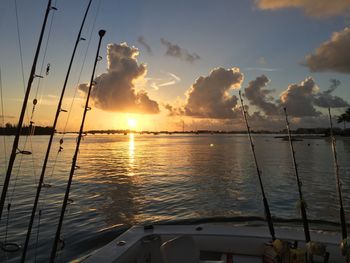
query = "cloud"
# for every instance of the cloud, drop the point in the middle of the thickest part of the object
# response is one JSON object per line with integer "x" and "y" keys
{"x": 299, "y": 98}
{"x": 114, "y": 90}
{"x": 209, "y": 96}
{"x": 314, "y": 8}
{"x": 176, "y": 51}
{"x": 143, "y": 42}
{"x": 260, "y": 97}
{"x": 332, "y": 55}
{"x": 326, "y": 99}
{"x": 174, "y": 111}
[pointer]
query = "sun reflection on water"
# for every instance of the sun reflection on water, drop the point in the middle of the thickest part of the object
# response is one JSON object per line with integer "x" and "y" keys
{"x": 131, "y": 154}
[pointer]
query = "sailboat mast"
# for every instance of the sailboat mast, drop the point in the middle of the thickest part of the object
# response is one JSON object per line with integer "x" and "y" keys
{"x": 266, "y": 204}
{"x": 301, "y": 200}
{"x": 15, "y": 150}
{"x": 340, "y": 198}
{"x": 101, "y": 33}
{"x": 59, "y": 109}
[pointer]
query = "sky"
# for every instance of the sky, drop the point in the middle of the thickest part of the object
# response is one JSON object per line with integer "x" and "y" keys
{"x": 165, "y": 63}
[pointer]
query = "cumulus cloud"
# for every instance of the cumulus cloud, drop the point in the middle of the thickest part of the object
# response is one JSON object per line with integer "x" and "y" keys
{"x": 143, "y": 42}
{"x": 114, "y": 90}
{"x": 299, "y": 98}
{"x": 314, "y": 8}
{"x": 258, "y": 96}
{"x": 176, "y": 51}
{"x": 332, "y": 55}
{"x": 326, "y": 99}
{"x": 209, "y": 96}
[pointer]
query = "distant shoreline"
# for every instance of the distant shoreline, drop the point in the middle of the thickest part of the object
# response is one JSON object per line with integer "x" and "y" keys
{"x": 300, "y": 132}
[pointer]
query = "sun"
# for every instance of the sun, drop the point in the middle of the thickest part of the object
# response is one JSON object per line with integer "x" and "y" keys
{"x": 132, "y": 123}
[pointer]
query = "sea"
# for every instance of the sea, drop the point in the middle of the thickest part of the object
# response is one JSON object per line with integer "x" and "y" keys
{"x": 123, "y": 180}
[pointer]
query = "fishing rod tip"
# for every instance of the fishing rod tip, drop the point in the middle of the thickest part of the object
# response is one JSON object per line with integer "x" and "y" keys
{"x": 101, "y": 33}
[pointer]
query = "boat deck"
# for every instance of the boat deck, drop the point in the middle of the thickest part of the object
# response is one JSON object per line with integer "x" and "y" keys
{"x": 215, "y": 243}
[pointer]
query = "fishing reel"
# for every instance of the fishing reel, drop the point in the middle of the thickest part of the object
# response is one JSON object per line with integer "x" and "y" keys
{"x": 345, "y": 248}
{"x": 276, "y": 251}
{"x": 316, "y": 249}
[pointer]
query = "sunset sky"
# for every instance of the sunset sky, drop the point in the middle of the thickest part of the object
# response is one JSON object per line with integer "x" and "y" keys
{"x": 165, "y": 62}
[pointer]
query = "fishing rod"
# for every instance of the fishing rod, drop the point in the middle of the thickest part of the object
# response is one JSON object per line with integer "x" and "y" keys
{"x": 58, "y": 111}
{"x": 340, "y": 198}
{"x": 258, "y": 171}
{"x": 301, "y": 200}
{"x": 15, "y": 149}
{"x": 101, "y": 33}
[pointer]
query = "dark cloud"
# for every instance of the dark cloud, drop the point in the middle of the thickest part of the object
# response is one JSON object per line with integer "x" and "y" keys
{"x": 143, "y": 42}
{"x": 299, "y": 98}
{"x": 209, "y": 96}
{"x": 174, "y": 50}
{"x": 114, "y": 90}
{"x": 326, "y": 99}
{"x": 314, "y": 8}
{"x": 332, "y": 55}
{"x": 258, "y": 96}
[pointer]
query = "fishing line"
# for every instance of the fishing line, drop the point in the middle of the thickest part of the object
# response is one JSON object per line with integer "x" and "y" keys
{"x": 252, "y": 146}
{"x": 299, "y": 184}
{"x": 37, "y": 235}
{"x": 20, "y": 45}
{"x": 74, "y": 166}
{"x": 312, "y": 248}
{"x": 32, "y": 125}
{"x": 20, "y": 55}
{"x": 82, "y": 67}
{"x": 22, "y": 73}
{"x": 44, "y": 57}
{"x": 3, "y": 119}
{"x": 345, "y": 241}
{"x": 74, "y": 96}
{"x": 58, "y": 110}
{"x": 15, "y": 149}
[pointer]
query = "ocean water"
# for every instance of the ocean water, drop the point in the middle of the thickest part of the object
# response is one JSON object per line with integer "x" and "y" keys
{"x": 137, "y": 179}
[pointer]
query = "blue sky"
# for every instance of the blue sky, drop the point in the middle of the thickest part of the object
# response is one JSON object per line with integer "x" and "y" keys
{"x": 224, "y": 33}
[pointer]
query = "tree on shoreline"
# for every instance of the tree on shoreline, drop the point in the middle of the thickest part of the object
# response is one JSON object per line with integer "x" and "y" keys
{"x": 344, "y": 118}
